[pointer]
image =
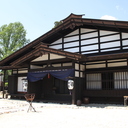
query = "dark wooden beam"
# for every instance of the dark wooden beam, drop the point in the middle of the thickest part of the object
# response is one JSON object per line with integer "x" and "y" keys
{"x": 107, "y": 57}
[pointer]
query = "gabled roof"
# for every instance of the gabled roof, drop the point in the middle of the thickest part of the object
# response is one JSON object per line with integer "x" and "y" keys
{"x": 69, "y": 24}
{"x": 40, "y": 50}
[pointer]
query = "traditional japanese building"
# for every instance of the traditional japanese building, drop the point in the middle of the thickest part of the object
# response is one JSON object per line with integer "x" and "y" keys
{"x": 93, "y": 52}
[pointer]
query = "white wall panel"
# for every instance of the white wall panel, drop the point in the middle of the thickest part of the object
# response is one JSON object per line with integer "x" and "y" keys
{"x": 41, "y": 58}
{"x": 124, "y": 35}
{"x": 56, "y": 46}
{"x": 82, "y": 67}
{"x": 81, "y": 74}
{"x": 90, "y": 41}
{"x": 117, "y": 64}
{"x": 110, "y": 49}
{"x": 55, "y": 56}
{"x": 56, "y": 65}
{"x": 111, "y": 44}
{"x": 76, "y": 74}
{"x": 84, "y": 30}
{"x": 95, "y": 66}
{"x": 67, "y": 64}
{"x": 72, "y": 49}
{"x": 125, "y": 48}
{"x": 90, "y": 52}
{"x": 89, "y": 35}
{"x": 102, "y": 32}
{"x": 67, "y": 39}
{"x": 125, "y": 42}
{"x": 76, "y": 66}
{"x": 73, "y": 33}
{"x": 71, "y": 44}
{"x": 117, "y": 60}
{"x": 109, "y": 38}
{"x": 58, "y": 41}
{"x": 23, "y": 71}
{"x": 35, "y": 67}
{"x": 95, "y": 62}
{"x": 91, "y": 47}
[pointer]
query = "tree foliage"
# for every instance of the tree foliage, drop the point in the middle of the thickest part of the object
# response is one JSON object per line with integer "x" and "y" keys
{"x": 57, "y": 23}
{"x": 12, "y": 38}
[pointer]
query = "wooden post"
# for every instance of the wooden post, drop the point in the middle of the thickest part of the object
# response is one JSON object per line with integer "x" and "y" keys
{"x": 74, "y": 93}
{"x": 4, "y": 83}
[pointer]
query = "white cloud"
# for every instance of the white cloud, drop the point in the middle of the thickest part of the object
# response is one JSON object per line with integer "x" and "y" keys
{"x": 107, "y": 17}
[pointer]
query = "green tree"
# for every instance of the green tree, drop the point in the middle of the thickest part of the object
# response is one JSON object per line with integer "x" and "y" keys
{"x": 57, "y": 23}
{"x": 12, "y": 38}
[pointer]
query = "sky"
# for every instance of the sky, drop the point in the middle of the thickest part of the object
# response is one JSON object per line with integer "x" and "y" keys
{"x": 38, "y": 16}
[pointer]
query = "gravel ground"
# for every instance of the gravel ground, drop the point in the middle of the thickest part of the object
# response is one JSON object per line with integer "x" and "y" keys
{"x": 13, "y": 114}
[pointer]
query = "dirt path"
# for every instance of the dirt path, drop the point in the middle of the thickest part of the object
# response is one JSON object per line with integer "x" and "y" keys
{"x": 50, "y": 115}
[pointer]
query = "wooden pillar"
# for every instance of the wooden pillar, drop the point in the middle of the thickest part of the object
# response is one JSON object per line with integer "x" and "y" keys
{"x": 4, "y": 83}
{"x": 74, "y": 93}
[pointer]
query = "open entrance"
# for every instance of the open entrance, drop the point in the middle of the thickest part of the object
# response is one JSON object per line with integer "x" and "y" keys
{"x": 51, "y": 87}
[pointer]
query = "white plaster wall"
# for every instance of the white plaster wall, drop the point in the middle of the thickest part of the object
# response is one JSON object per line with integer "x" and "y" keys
{"x": 41, "y": 58}
{"x": 76, "y": 74}
{"x": 84, "y": 30}
{"x": 90, "y": 41}
{"x": 35, "y": 67}
{"x": 56, "y": 46}
{"x": 23, "y": 71}
{"x": 117, "y": 64}
{"x": 89, "y": 35}
{"x": 73, "y": 38}
{"x": 110, "y": 38}
{"x": 82, "y": 67}
{"x": 56, "y": 65}
{"x": 67, "y": 64}
{"x": 91, "y": 47}
{"x": 125, "y": 42}
{"x": 95, "y": 66}
{"x": 124, "y": 35}
{"x": 72, "y": 50}
{"x": 55, "y": 56}
{"x": 76, "y": 66}
{"x": 103, "y": 32}
{"x": 73, "y": 44}
{"x": 111, "y": 44}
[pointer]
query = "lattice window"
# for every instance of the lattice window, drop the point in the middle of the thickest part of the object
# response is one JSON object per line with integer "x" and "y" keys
{"x": 93, "y": 81}
{"x": 121, "y": 80}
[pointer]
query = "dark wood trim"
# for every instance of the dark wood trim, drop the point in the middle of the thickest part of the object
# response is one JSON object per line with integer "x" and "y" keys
{"x": 80, "y": 40}
{"x": 4, "y": 82}
{"x": 62, "y": 43}
{"x": 99, "y": 41}
{"x": 51, "y": 68}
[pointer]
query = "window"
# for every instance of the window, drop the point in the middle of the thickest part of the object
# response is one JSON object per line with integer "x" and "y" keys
{"x": 93, "y": 81}
{"x": 121, "y": 80}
